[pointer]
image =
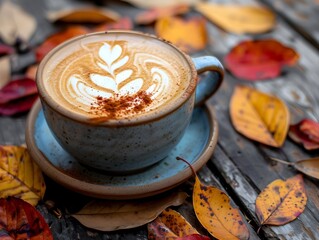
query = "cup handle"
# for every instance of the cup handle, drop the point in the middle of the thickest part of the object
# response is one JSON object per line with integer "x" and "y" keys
{"x": 210, "y": 83}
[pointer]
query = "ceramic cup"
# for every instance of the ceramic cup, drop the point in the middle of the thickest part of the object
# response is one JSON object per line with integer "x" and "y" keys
{"x": 121, "y": 101}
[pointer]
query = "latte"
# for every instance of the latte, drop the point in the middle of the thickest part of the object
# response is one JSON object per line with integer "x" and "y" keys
{"x": 116, "y": 76}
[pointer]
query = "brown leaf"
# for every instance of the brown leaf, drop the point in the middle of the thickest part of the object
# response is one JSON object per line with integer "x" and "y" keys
{"x": 259, "y": 59}
{"x": 281, "y": 201}
{"x": 309, "y": 166}
{"x": 305, "y": 132}
{"x": 238, "y": 18}
{"x": 161, "y": 3}
{"x": 83, "y": 15}
{"x": 57, "y": 38}
{"x": 19, "y": 175}
{"x": 177, "y": 31}
{"x": 110, "y": 215}
{"x": 31, "y": 71}
{"x": 259, "y": 116}
{"x": 5, "y": 71}
{"x": 216, "y": 213}
{"x": 15, "y": 23}
{"x": 124, "y": 23}
{"x": 151, "y": 15}
{"x": 20, "y": 220}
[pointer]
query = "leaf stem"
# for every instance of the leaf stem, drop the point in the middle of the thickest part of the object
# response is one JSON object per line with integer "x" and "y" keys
{"x": 281, "y": 161}
{"x": 191, "y": 167}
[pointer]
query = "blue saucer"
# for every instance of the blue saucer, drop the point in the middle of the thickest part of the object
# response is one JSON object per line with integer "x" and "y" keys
{"x": 196, "y": 146}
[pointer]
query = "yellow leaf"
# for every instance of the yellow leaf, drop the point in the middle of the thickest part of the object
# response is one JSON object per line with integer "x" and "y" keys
{"x": 107, "y": 215}
{"x": 281, "y": 201}
{"x": 19, "y": 175}
{"x": 238, "y": 18}
{"x": 259, "y": 116}
{"x": 215, "y": 212}
{"x": 189, "y": 35}
{"x": 83, "y": 15}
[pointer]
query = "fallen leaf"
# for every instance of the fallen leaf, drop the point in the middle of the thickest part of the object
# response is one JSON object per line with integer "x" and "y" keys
{"x": 151, "y": 15}
{"x": 124, "y": 23}
{"x": 281, "y": 201}
{"x": 216, "y": 213}
{"x": 259, "y": 59}
{"x": 189, "y": 35}
{"x": 107, "y": 215}
{"x": 259, "y": 116}
{"x": 20, "y": 220}
{"x": 305, "y": 132}
{"x": 83, "y": 15}
{"x": 238, "y": 19}
{"x": 19, "y": 175}
{"x": 162, "y": 3}
{"x": 20, "y": 105}
{"x": 57, "y": 38}
{"x": 17, "y": 88}
{"x": 31, "y": 71}
{"x": 5, "y": 49}
{"x": 170, "y": 224}
{"x": 5, "y": 71}
{"x": 309, "y": 166}
{"x": 16, "y": 24}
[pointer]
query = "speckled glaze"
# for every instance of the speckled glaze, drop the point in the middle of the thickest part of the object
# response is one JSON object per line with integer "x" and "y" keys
{"x": 123, "y": 146}
{"x": 196, "y": 146}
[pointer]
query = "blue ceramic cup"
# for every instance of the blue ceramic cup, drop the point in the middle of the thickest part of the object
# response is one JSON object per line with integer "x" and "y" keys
{"x": 121, "y": 101}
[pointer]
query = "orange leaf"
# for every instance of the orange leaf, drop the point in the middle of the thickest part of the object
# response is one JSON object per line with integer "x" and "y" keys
{"x": 281, "y": 201}
{"x": 305, "y": 132}
{"x": 215, "y": 212}
{"x": 83, "y": 15}
{"x": 151, "y": 15}
{"x": 57, "y": 38}
{"x": 259, "y": 116}
{"x": 189, "y": 35}
{"x": 124, "y": 23}
{"x": 238, "y": 18}
{"x": 20, "y": 220}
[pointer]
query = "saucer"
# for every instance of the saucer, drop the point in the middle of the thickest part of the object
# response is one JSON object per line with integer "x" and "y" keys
{"x": 196, "y": 146}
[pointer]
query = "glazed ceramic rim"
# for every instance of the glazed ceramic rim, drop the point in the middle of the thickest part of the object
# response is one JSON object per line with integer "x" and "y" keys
{"x": 171, "y": 106}
{"x": 111, "y": 192}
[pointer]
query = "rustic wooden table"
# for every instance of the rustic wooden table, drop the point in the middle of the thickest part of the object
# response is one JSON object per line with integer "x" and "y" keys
{"x": 239, "y": 166}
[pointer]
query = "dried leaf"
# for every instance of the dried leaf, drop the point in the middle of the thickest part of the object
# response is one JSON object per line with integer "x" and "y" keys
{"x": 162, "y": 3}
{"x": 215, "y": 212}
{"x": 281, "y": 201}
{"x": 83, "y": 15}
{"x": 17, "y": 88}
{"x": 31, "y": 71}
{"x": 5, "y": 71}
{"x": 172, "y": 225}
{"x": 113, "y": 215}
{"x": 20, "y": 220}
{"x": 151, "y": 15}
{"x": 177, "y": 31}
{"x": 19, "y": 175}
{"x": 306, "y": 132}
{"x": 20, "y": 105}
{"x": 238, "y": 18}
{"x": 57, "y": 38}
{"x": 259, "y": 116}
{"x": 15, "y": 23}
{"x": 124, "y": 23}
{"x": 259, "y": 59}
{"x": 5, "y": 50}
{"x": 309, "y": 166}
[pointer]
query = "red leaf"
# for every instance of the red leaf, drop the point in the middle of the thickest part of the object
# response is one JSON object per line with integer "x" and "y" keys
{"x": 259, "y": 59}
{"x": 123, "y": 24}
{"x": 306, "y": 132}
{"x": 194, "y": 237}
{"x": 5, "y": 50}
{"x": 18, "y": 106}
{"x": 57, "y": 38}
{"x": 20, "y": 220}
{"x": 16, "y": 89}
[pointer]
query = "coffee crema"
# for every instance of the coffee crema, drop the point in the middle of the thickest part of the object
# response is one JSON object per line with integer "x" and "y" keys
{"x": 111, "y": 78}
